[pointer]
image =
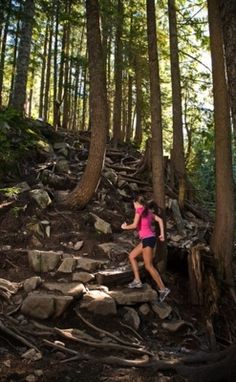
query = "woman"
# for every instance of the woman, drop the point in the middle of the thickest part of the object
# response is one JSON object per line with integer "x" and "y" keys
{"x": 143, "y": 220}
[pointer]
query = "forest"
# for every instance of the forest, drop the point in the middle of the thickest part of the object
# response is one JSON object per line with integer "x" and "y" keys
{"x": 102, "y": 101}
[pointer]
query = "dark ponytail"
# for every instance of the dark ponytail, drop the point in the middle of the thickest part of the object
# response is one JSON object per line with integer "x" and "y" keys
{"x": 140, "y": 199}
{"x": 155, "y": 208}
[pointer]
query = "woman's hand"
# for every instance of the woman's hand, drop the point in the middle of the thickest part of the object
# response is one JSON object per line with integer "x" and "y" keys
{"x": 124, "y": 225}
{"x": 161, "y": 238}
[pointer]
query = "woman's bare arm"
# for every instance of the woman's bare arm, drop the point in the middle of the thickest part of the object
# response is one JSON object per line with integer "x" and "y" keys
{"x": 132, "y": 225}
{"x": 161, "y": 225}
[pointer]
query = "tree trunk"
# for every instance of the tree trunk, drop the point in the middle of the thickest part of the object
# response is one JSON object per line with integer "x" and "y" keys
{"x": 55, "y": 72}
{"x": 129, "y": 110}
{"x": 13, "y": 71}
{"x": 228, "y": 17}
{"x": 139, "y": 102}
{"x": 65, "y": 118}
{"x": 3, "y": 50}
{"x": 48, "y": 74}
{"x": 98, "y": 111}
{"x": 156, "y": 118}
{"x": 84, "y": 108}
{"x": 19, "y": 91}
{"x": 223, "y": 234}
{"x": 178, "y": 145}
{"x": 118, "y": 76}
{"x": 42, "y": 79}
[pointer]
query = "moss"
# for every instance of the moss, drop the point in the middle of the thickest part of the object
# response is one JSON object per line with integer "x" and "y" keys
{"x": 18, "y": 138}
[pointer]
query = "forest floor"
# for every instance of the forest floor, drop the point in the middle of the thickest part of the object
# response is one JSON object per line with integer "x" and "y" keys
{"x": 17, "y": 214}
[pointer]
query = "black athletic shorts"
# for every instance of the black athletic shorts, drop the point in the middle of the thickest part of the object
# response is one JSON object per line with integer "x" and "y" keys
{"x": 149, "y": 242}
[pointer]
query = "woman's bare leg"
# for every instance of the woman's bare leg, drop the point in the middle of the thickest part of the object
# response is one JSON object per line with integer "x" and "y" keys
{"x": 132, "y": 258}
{"x": 148, "y": 262}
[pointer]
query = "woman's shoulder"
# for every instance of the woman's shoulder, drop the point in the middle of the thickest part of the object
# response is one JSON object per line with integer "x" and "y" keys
{"x": 139, "y": 210}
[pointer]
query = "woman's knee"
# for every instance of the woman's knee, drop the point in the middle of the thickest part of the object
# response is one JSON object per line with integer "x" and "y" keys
{"x": 132, "y": 255}
{"x": 148, "y": 267}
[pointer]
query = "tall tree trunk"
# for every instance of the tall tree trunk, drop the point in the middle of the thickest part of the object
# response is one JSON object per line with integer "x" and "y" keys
{"x": 15, "y": 49}
{"x": 156, "y": 118}
{"x": 130, "y": 80}
{"x": 139, "y": 101}
{"x": 31, "y": 91}
{"x": 3, "y": 50}
{"x": 223, "y": 234}
{"x": 84, "y": 107}
{"x": 13, "y": 71}
{"x": 98, "y": 111}
{"x": 61, "y": 77}
{"x": 129, "y": 111}
{"x": 55, "y": 71}
{"x": 178, "y": 141}
{"x": 65, "y": 118}
{"x": 228, "y": 16}
{"x": 48, "y": 74}
{"x": 76, "y": 90}
{"x": 43, "y": 72}
{"x": 118, "y": 76}
{"x": 19, "y": 91}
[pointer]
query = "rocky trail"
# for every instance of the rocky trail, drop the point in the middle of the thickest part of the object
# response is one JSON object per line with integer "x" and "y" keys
{"x": 66, "y": 313}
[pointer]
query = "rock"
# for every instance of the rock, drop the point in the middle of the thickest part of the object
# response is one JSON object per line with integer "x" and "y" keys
{"x": 133, "y": 296}
{"x": 32, "y": 283}
{"x": 23, "y": 186}
{"x": 30, "y": 378}
{"x": 41, "y": 197}
{"x": 163, "y": 310}
{"x": 101, "y": 225}
{"x": 98, "y": 302}
{"x": 62, "y": 165}
{"x": 32, "y": 355}
{"x": 38, "y": 373}
{"x": 43, "y": 261}
{"x": 35, "y": 228}
{"x": 176, "y": 238}
{"x": 9, "y": 287}
{"x": 84, "y": 277}
{"x": 90, "y": 265}
{"x": 144, "y": 309}
{"x": 110, "y": 248}
{"x": 111, "y": 175}
{"x": 67, "y": 289}
{"x": 131, "y": 317}
{"x": 62, "y": 148}
{"x": 43, "y": 306}
{"x": 134, "y": 186}
{"x": 175, "y": 326}
{"x": 68, "y": 265}
{"x": 78, "y": 245}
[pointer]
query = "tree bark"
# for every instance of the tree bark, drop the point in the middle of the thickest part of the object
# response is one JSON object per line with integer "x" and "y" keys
{"x": 228, "y": 17}
{"x": 118, "y": 77}
{"x": 156, "y": 117}
{"x": 48, "y": 74}
{"x": 81, "y": 195}
{"x": 139, "y": 101}
{"x": 19, "y": 91}
{"x": 223, "y": 234}
{"x": 43, "y": 69}
{"x": 3, "y": 50}
{"x": 178, "y": 141}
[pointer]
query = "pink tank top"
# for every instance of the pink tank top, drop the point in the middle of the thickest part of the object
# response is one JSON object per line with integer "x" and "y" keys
{"x": 145, "y": 228}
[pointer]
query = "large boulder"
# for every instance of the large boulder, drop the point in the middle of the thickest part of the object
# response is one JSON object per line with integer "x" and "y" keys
{"x": 43, "y": 261}
{"x": 43, "y": 306}
{"x": 98, "y": 302}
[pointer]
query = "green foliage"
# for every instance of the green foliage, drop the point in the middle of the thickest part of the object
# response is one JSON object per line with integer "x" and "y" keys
{"x": 18, "y": 137}
{"x": 10, "y": 192}
{"x": 201, "y": 169}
